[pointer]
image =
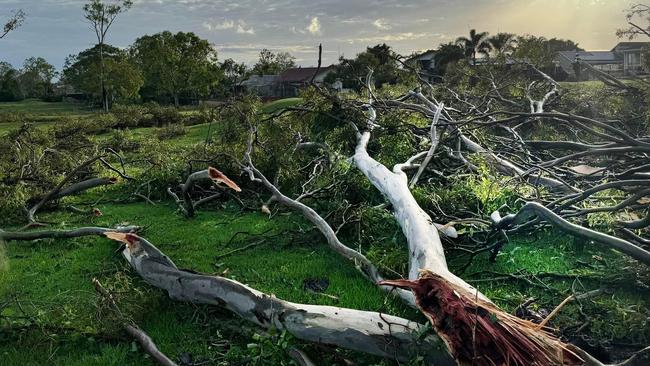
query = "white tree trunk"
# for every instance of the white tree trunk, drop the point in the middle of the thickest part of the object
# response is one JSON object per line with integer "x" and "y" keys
{"x": 364, "y": 331}
{"x": 424, "y": 245}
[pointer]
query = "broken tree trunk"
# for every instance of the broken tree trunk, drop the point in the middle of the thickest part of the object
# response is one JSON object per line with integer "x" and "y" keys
{"x": 478, "y": 333}
{"x": 426, "y": 254}
{"x": 186, "y": 204}
{"x": 364, "y": 331}
{"x": 60, "y": 234}
{"x": 424, "y": 245}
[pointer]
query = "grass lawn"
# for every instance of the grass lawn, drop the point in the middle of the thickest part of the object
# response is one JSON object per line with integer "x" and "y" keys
{"x": 45, "y": 286}
{"x": 280, "y": 104}
{"x": 35, "y": 106}
{"x": 46, "y": 291}
{"x": 14, "y": 114}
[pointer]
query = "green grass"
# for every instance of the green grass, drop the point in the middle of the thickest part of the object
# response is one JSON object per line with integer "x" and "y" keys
{"x": 46, "y": 293}
{"x": 50, "y": 281}
{"x": 280, "y": 104}
{"x": 35, "y": 106}
{"x": 14, "y": 114}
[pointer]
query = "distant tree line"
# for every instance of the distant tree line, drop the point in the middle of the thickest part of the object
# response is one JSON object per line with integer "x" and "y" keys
{"x": 389, "y": 67}
{"x": 33, "y": 80}
{"x": 181, "y": 68}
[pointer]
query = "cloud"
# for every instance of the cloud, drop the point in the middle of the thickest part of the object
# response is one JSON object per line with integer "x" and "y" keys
{"x": 240, "y": 26}
{"x": 314, "y": 26}
{"x": 226, "y": 24}
{"x": 381, "y": 24}
{"x": 243, "y": 29}
{"x": 397, "y": 37}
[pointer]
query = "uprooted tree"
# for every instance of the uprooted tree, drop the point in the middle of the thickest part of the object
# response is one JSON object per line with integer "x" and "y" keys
{"x": 492, "y": 120}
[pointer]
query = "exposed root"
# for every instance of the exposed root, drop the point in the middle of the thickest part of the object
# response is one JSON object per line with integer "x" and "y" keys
{"x": 477, "y": 332}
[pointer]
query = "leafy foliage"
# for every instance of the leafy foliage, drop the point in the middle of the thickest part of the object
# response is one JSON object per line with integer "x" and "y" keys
{"x": 270, "y": 63}
{"x": 81, "y": 71}
{"x": 175, "y": 66}
{"x": 380, "y": 58}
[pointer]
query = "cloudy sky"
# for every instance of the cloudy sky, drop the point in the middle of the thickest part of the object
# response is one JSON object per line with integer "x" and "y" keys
{"x": 239, "y": 29}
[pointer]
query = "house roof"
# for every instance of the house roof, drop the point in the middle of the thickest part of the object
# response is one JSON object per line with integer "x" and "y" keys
{"x": 591, "y": 56}
{"x": 625, "y": 46}
{"x": 425, "y": 55}
{"x": 256, "y": 80}
{"x": 303, "y": 74}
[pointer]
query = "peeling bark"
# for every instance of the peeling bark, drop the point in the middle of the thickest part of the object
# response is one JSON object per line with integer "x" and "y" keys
{"x": 364, "y": 331}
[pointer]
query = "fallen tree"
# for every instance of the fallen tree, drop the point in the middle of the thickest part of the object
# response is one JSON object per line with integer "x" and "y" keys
{"x": 64, "y": 234}
{"x": 364, "y": 331}
{"x": 187, "y": 204}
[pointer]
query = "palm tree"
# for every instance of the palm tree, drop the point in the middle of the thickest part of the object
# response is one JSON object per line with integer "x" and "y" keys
{"x": 503, "y": 43}
{"x": 447, "y": 54}
{"x": 475, "y": 43}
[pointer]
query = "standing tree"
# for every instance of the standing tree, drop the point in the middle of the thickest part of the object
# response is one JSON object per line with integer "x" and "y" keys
{"x": 101, "y": 16}
{"x": 503, "y": 44}
{"x": 10, "y": 89}
{"x": 540, "y": 51}
{"x": 271, "y": 63}
{"x": 176, "y": 64}
{"x": 474, "y": 44}
{"x": 447, "y": 54}
{"x": 80, "y": 71}
{"x": 642, "y": 12}
{"x": 380, "y": 58}
{"x": 36, "y": 77}
{"x": 233, "y": 74}
{"x": 15, "y": 20}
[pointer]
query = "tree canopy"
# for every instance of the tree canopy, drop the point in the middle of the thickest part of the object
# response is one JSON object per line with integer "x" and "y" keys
{"x": 36, "y": 77}
{"x": 541, "y": 51}
{"x": 15, "y": 20}
{"x": 82, "y": 71}
{"x": 380, "y": 58}
{"x": 10, "y": 89}
{"x": 476, "y": 43}
{"x": 270, "y": 63}
{"x": 176, "y": 65}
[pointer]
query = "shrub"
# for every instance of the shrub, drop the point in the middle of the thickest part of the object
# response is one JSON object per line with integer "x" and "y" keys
{"x": 13, "y": 117}
{"x": 170, "y": 131}
{"x": 130, "y": 116}
{"x": 163, "y": 115}
{"x": 122, "y": 140}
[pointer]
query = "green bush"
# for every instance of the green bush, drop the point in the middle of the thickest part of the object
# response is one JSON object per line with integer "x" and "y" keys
{"x": 130, "y": 116}
{"x": 122, "y": 141}
{"x": 170, "y": 131}
{"x": 13, "y": 117}
{"x": 163, "y": 115}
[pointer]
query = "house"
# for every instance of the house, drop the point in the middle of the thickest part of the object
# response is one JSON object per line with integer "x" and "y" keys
{"x": 288, "y": 83}
{"x": 294, "y": 79}
{"x": 625, "y": 59}
{"x": 425, "y": 63}
{"x": 266, "y": 86}
{"x": 632, "y": 54}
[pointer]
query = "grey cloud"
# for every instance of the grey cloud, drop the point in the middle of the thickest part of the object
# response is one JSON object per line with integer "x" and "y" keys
{"x": 239, "y": 29}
